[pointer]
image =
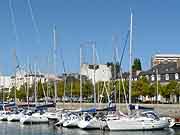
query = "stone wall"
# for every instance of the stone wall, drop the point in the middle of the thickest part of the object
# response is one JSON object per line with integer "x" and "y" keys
{"x": 172, "y": 110}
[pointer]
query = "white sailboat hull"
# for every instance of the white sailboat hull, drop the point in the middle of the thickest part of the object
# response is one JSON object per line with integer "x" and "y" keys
{"x": 137, "y": 124}
{"x": 52, "y": 117}
{"x": 170, "y": 120}
{"x": 92, "y": 124}
{"x": 3, "y": 117}
{"x": 71, "y": 120}
{"x": 15, "y": 117}
{"x": 34, "y": 119}
{"x": 71, "y": 123}
{"x": 61, "y": 119}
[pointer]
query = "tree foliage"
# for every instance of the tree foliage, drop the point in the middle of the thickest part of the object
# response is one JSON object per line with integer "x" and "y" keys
{"x": 141, "y": 87}
{"x": 136, "y": 65}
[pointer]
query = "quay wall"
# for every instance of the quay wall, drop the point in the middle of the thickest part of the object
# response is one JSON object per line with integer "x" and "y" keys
{"x": 172, "y": 110}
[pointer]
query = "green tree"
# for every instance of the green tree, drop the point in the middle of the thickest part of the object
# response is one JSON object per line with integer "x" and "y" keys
{"x": 12, "y": 93}
{"x": 21, "y": 93}
{"x": 76, "y": 87}
{"x": 118, "y": 86}
{"x": 168, "y": 90}
{"x": 40, "y": 93}
{"x": 136, "y": 65}
{"x": 152, "y": 90}
{"x": 88, "y": 89}
{"x": 140, "y": 88}
{"x": 60, "y": 88}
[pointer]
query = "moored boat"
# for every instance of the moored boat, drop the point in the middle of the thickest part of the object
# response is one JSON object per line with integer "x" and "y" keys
{"x": 72, "y": 120}
{"x": 90, "y": 122}
{"x": 35, "y": 118}
{"x": 144, "y": 121}
{"x": 15, "y": 117}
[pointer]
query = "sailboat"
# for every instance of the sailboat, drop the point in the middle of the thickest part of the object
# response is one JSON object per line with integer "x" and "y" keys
{"x": 91, "y": 122}
{"x": 38, "y": 116}
{"x": 88, "y": 120}
{"x": 34, "y": 118}
{"x": 3, "y": 113}
{"x": 15, "y": 116}
{"x": 3, "y": 116}
{"x": 139, "y": 120}
{"x": 72, "y": 120}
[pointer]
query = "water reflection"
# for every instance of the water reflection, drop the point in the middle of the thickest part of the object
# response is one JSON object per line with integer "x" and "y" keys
{"x": 18, "y": 129}
{"x": 64, "y": 131}
{"x": 159, "y": 132}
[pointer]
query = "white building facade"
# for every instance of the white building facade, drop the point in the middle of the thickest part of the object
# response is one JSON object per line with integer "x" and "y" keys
{"x": 22, "y": 78}
{"x": 5, "y": 82}
{"x": 102, "y": 72}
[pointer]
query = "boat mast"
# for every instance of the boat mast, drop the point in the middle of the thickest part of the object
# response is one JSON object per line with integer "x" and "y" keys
{"x": 94, "y": 66}
{"x": 71, "y": 92}
{"x": 27, "y": 82}
{"x": 54, "y": 57}
{"x": 80, "y": 77}
{"x": 48, "y": 82}
{"x": 157, "y": 85}
{"x": 114, "y": 38}
{"x": 35, "y": 82}
{"x": 130, "y": 59}
{"x": 15, "y": 70}
{"x": 64, "y": 94}
{"x": 2, "y": 89}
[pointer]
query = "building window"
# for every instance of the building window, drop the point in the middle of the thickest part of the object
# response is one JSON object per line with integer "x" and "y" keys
{"x": 152, "y": 77}
{"x": 167, "y": 77}
{"x": 176, "y": 76}
{"x": 158, "y": 77}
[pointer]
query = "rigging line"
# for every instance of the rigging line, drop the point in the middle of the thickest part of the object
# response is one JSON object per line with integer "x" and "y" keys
{"x": 63, "y": 63}
{"x": 120, "y": 62}
{"x": 34, "y": 21}
{"x": 97, "y": 56}
{"x": 115, "y": 42}
{"x": 13, "y": 22}
{"x": 125, "y": 43}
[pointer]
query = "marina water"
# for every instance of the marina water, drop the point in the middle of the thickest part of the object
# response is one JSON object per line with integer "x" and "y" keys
{"x": 9, "y": 128}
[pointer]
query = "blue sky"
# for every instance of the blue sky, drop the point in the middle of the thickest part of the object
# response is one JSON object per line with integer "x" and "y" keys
{"x": 155, "y": 29}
